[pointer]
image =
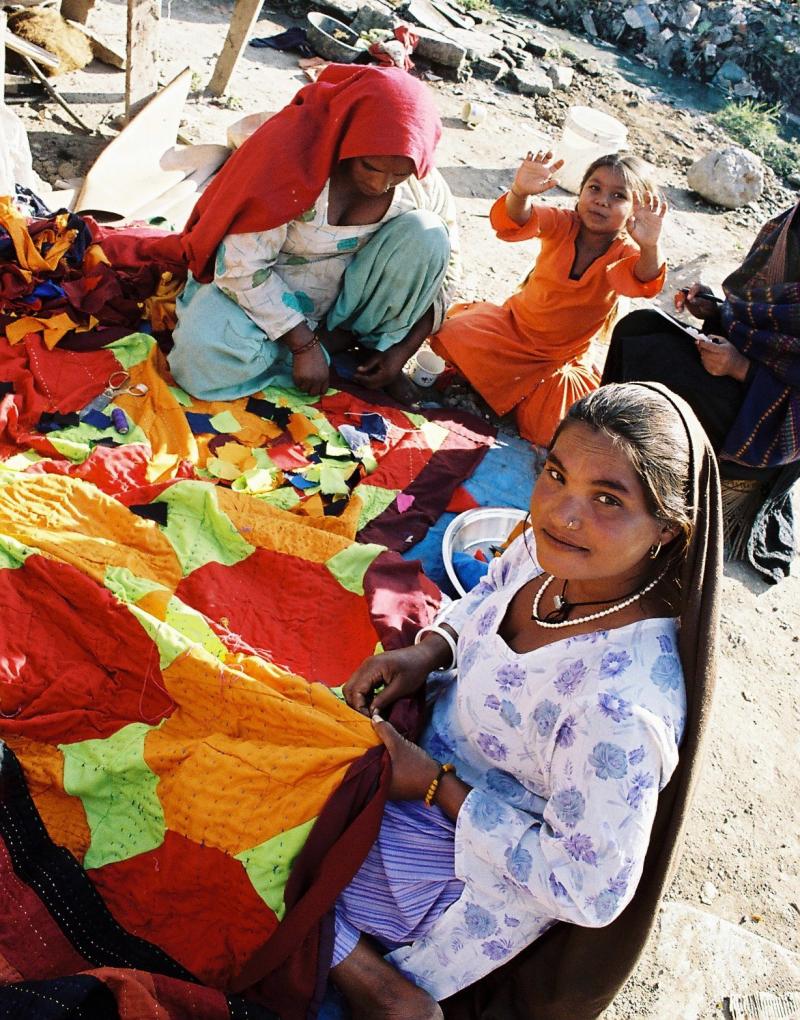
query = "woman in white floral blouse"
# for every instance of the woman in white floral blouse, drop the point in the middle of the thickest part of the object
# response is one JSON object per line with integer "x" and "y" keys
{"x": 562, "y": 711}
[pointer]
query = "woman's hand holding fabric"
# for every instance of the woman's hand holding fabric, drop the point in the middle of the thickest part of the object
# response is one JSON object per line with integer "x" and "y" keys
{"x": 380, "y": 368}
{"x": 400, "y": 673}
{"x": 413, "y": 770}
{"x": 720, "y": 357}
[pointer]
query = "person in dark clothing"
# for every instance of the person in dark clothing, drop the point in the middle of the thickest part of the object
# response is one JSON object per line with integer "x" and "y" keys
{"x": 742, "y": 379}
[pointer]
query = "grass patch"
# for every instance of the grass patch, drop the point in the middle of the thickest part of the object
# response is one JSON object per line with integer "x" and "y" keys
{"x": 476, "y": 5}
{"x": 756, "y": 127}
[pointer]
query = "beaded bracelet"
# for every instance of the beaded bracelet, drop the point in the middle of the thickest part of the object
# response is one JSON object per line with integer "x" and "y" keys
{"x": 307, "y": 346}
{"x": 433, "y": 788}
{"x": 446, "y": 636}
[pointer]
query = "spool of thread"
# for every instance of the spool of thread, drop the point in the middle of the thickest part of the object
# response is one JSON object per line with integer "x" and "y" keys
{"x": 119, "y": 421}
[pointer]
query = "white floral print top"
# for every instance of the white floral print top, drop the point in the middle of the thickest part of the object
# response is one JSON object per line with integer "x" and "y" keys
{"x": 293, "y": 273}
{"x": 566, "y": 748}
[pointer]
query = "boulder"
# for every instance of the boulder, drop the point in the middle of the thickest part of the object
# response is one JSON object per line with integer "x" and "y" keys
{"x": 438, "y": 49}
{"x": 488, "y": 68}
{"x": 373, "y": 14}
{"x": 730, "y": 177}
{"x": 533, "y": 82}
{"x": 560, "y": 76}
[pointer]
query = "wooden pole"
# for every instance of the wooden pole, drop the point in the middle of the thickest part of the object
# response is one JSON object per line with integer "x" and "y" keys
{"x": 141, "y": 71}
{"x": 243, "y": 18}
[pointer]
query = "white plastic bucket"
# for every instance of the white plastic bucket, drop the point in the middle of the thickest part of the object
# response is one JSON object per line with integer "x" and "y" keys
{"x": 587, "y": 135}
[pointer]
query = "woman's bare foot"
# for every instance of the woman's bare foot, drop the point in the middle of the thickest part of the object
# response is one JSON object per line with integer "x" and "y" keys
{"x": 376, "y": 991}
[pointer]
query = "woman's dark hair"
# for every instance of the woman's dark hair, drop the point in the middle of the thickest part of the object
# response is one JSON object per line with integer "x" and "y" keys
{"x": 633, "y": 170}
{"x": 647, "y": 427}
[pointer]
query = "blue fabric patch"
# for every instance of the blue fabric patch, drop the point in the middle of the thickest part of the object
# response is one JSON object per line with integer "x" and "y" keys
{"x": 300, "y": 481}
{"x": 97, "y": 419}
{"x": 347, "y": 244}
{"x": 200, "y": 423}
{"x": 468, "y": 570}
{"x": 375, "y": 426}
{"x": 355, "y": 438}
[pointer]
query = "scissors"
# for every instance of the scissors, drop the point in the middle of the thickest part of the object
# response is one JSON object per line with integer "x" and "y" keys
{"x": 117, "y": 386}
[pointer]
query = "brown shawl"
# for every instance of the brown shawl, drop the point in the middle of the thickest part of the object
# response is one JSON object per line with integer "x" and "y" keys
{"x": 573, "y": 973}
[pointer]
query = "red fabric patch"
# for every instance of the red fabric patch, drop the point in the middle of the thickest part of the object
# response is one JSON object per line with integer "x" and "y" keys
{"x": 113, "y": 469}
{"x": 222, "y": 920}
{"x": 334, "y": 623}
{"x": 72, "y": 658}
{"x": 30, "y": 939}
{"x": 461, "y": 500}
{"x": 45, "y": 380}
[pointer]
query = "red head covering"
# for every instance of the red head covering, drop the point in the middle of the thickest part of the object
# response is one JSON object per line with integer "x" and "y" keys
{"x": 282, "y": 168}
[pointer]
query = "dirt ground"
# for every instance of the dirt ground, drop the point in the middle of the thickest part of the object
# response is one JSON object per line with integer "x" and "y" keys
{"x": 731, "y": 923}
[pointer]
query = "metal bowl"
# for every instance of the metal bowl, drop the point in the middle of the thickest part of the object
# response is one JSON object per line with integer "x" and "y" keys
{"x": 485, "y": 528}
{"x": 332, "y": 39}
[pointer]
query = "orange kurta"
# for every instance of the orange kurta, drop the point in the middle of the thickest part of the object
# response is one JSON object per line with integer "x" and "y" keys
{"x": 530, "y": 352}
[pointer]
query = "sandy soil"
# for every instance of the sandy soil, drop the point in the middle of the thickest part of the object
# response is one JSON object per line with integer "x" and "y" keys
{"x": 742, "y": 935}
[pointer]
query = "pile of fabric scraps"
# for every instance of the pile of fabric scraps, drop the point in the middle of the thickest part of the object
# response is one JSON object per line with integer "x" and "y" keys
{"x": 181, "y": 793}
{"x": 64, "y": 277}
{"x": 114, "y": 417}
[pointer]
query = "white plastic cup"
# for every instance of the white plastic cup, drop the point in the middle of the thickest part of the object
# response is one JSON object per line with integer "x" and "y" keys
{"x": 587, "y": 134}
{"x": 426, "y": 367}
{"x": 473, "y": 114}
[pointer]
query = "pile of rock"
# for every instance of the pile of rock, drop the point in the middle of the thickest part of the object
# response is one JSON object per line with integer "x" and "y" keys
{"x": 458, "y": 43}
{"x": 749, "y": 48}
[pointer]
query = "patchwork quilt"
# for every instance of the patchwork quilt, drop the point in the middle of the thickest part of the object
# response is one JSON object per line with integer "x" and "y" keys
{"x": 183, "y": 588}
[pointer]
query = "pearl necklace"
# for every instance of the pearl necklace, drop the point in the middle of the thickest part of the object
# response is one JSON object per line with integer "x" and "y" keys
{"x": 592, "y": 616}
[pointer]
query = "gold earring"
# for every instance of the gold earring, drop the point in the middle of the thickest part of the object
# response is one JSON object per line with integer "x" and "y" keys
{"x": 655, "y": 550}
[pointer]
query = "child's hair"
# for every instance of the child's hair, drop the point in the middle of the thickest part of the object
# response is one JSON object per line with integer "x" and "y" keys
{"x": 633, "y": 170}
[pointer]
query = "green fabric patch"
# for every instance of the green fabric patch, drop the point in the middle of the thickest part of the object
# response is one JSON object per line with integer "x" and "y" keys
{"x": 296, "y": 260}
{"x": 127, "y": 587}
{"x": 131, "y": 350}
{"x": 417, "y": 420}
{"x": 13, "y": 553}
{"x": 331, "y": 480}
{"x": 287, "y": 396}
{"x": 347, "y": 244}
{"x": 255, "y": 480}
{"x": 285, "y": 498}
{"x": 226, "y": 422}
{"x": 269, "y": 864}
{"x": 199, "y": 531}
{"x": 77, "y": 441}
{"x": 308, "y": 215}
{"x": 181, "y": 396}
{"x": 260, "y": 276}
{"x": 351, "y": 564}
{"x": 118, "y": 793}
{"x": 374, "y": 499}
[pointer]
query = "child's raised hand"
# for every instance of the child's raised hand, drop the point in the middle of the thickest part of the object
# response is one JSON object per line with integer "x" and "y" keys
{"x": 536, "y": 174}
{"x": 644, "y": 225}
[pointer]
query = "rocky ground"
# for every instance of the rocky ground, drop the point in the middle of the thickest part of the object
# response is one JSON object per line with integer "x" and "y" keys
{"x": 731, "y": 924}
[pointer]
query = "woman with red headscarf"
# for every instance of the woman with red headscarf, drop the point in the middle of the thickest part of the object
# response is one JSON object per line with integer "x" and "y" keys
{"x": 328, "y": 229}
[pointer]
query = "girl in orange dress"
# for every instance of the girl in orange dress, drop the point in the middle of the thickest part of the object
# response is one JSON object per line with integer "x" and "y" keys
{"x": 530, "y": 354}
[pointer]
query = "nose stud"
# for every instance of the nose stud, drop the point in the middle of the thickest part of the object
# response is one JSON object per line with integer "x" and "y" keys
{"x": 572, "y": 525}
